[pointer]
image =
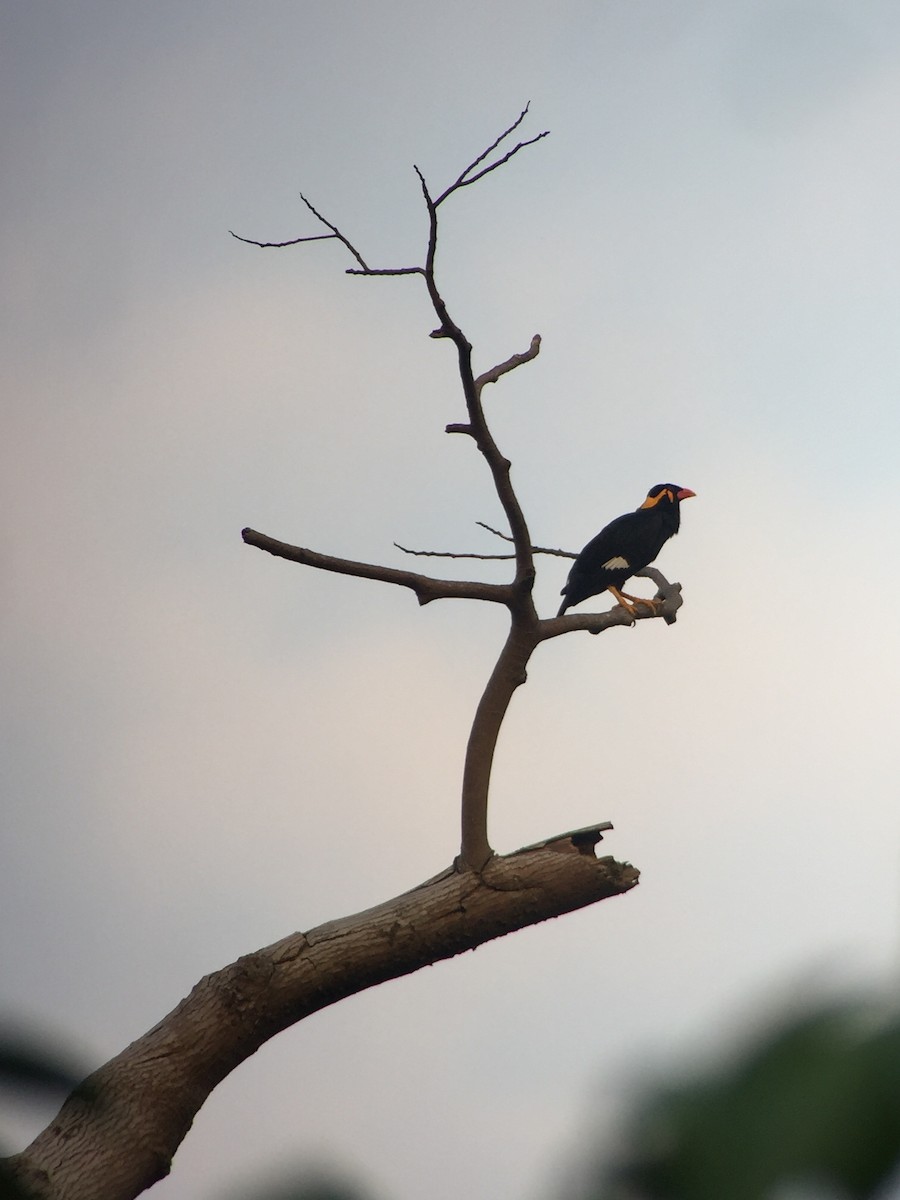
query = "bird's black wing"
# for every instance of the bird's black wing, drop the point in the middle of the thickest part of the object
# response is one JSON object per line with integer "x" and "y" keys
{"x": 616, "y": 540}
{"x": 606, "y": 560}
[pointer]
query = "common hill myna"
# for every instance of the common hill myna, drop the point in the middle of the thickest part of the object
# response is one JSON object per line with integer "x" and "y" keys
{"x": 626, "y": 545}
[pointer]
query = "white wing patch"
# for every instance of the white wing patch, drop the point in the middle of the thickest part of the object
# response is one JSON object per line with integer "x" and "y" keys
{"x": 616, "y": 564}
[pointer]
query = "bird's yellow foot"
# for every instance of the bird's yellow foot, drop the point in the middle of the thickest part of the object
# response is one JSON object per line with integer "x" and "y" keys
{"x": 626, "y": 602}
{"x": 630, "y": 603}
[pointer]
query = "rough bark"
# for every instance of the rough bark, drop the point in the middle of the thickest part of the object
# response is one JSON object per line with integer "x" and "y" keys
{"x": 117, "y": 1133}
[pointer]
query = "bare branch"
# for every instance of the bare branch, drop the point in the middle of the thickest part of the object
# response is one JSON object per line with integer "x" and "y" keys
{"x": 385, "y": 271}
{"x": 425, "y": 192}
{"x": 425, "y": 587}
{"x": 494, "y": 144}
{"x": 484, "y": 525}
{"x": 337, "y": 233}
{"x": 509, "y": 673}
{"x": 665, "y": 604}
{"x": 534, "y": 549}
{"x": 471, "y": 554}
{"x": 492, "y": 167}
{"x": 462, "y": 181}
{"x": 452, "y": 554}
{"x": 668, "y": 593}
{"x": 516, "y": 360}
{"x": 318, "y": 237}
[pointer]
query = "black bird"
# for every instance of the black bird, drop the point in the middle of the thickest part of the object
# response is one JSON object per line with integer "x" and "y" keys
{"x": 626, "y": 545}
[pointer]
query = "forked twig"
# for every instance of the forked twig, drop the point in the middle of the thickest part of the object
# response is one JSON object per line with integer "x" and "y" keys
{"x": 322, "y": 237}
{"x": 336, "y": 233}
{"x": 462, "y": 181}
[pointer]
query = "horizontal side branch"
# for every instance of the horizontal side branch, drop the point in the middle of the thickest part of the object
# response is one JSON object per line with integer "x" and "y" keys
{"x": 316, "y": 237}
{"x": 425, "y": 587}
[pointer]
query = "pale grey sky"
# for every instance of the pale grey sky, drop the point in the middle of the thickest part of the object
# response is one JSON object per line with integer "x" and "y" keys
{"x": 204, "y": 748}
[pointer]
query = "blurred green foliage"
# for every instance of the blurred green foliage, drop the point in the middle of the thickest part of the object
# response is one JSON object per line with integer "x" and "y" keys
{"x": 811, "y": 1108}
{"x": 815, "y": 1104}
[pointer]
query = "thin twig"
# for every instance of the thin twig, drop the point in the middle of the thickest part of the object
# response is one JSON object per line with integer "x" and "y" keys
{"x": 425, "y": 191}
{"x": 337, "y": 233}
{"x": 462, "y": 181}
{"x": 496, "y": 142}
{"x": 493, "y": 167}
{"x": 452, "y": 554}
{"x": 324, "y": 237}
{"x": 485, "y": 557}
{"x": 317, "y": 237}
{"x": 534, "y": 549}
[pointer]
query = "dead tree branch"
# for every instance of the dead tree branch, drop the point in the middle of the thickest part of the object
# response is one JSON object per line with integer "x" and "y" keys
{"x": 455, "y": 554}
{"x": 668, "y": 598}
{"x": 485, "y": 557}
{"x": 534, "y": 549}
{"x": 526, "y": 630}
{"x": 117, "y": 1133}
{"x": 318, "y": 237}
{"x": 461, "y": 180}
{"x": 516, "y": 360}
{"x": 425, "y": 587}
{"x": 509, "y": 672}
{"x": 336, "y": 233}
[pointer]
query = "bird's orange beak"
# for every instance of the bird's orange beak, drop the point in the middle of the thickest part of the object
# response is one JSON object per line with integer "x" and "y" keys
{"x": 685, "y": 494}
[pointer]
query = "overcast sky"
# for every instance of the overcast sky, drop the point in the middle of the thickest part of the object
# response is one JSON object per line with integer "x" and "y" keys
{"x": 205, "y": 748}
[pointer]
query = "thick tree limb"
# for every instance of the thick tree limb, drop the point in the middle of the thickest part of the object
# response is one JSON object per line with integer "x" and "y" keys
{"x": 117, "y": 1133}
{"x": 509, "y": 673}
